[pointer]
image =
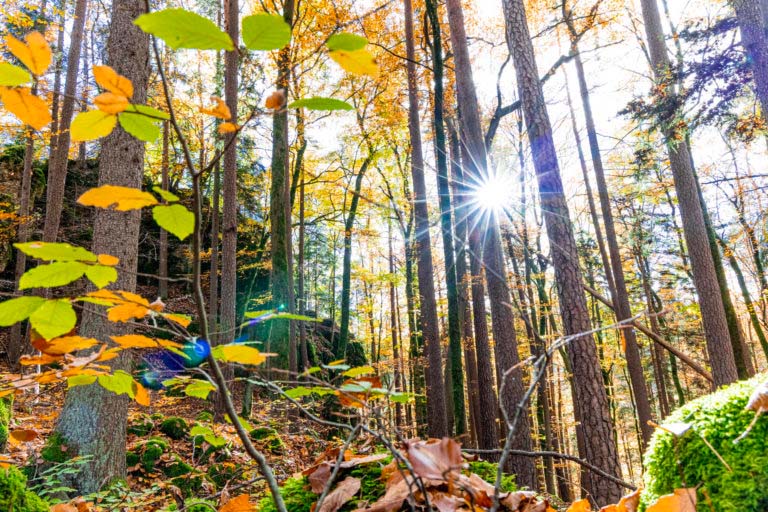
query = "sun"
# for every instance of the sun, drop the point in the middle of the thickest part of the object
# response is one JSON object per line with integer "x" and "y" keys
{"x": 493, "y": 193}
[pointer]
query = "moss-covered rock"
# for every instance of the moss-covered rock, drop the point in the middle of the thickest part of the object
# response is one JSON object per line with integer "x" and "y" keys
{"x": 204, "y": 416}
{"x": 6, "y": 411}
{"x": 177, "y": 468}
{"x": 14, "y": 495}
{"x": 141, "y": 425}
{"x": 223, "y": 473}
{"x": 131, "y": 458}
{"x": 269, "y": 439}
{"x": 686, "y": 461}
{"x": 55, "y": 449}
{"x": 151, "y": 451}
{"x": 175, "y": 428}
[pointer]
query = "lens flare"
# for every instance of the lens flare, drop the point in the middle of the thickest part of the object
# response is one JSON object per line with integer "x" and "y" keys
{"x": 493, "y": 193}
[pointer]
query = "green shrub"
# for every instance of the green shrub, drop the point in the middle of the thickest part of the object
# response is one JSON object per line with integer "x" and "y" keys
{"x": 297, "y": 495}
{"x": 175, "y": 428}
{"x": 487, "y": 471}
{"x": 6, "y": 411}
{"x": 14, "y": 495}
{"x": 675, "y": 462}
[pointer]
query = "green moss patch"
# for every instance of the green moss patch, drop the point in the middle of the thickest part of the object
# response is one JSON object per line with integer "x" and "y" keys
{"x": 6, "y": 411}
{"x": 175, "y": 428}
{"x": 14, "y": 495}
{"x": 674, "y": 462}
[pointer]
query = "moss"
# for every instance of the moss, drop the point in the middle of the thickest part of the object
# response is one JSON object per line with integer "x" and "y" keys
{"x": 204, "y": 416}
{"x": 269, "y": 439}
{"x": 177, "y": 468}
{"x": 687, "y": 461}
{"x": 152, "y": 450}
{"x": 175, "y": 428}
{"x": 188, "y": 484}
{"x": 131, "y": 458}
{"x": 260, "y": 433}
{"x": 487, "y": 471}
{"x": 223, "y": 473}
{"x": 371, "y": 485}
{"x": 297, "y": 495}
{"x": 6, "y": 411}
{"x": 55, "y": 449}
{"x": 141, "y": 426}
{"x": 196, "y": 506}
{"x": 14, "y": 495}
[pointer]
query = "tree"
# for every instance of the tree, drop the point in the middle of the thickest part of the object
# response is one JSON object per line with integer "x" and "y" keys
{"x": 721, "y": 354}
{"x": 590, "y": 396}
{"x": 436, "y": 409}
{"x": 93, "y": 419}
{"x": 754, "y": 39}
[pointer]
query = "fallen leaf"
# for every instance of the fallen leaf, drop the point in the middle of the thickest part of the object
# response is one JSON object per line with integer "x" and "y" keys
{"x": 343, "y": 492}
{"x": 683, "y": 500}
{"x": 435, "y": 459}
{"x": 25, "y": 435}
{"x": 240, "y": 503}
{"x": 758, "y": 400}
{"x": 628, "y": 503}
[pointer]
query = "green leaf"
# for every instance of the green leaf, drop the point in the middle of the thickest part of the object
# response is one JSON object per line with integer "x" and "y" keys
{"x": 148, "y": 111}
{"x": 175, "y": 219}
{"x": 18, "y": 309}
{"x": 92, "y": 125}
{"x": 317, "y": 103}
{"x": 294, "y": 316}
{"x": 120, "y": 383}
{"x": 80, "y": 380}
{"x": 54, "y": 274}
{"x": 53, "y": 318}
{"x": 140, "y": 126}
{"x": 168, "y": 196}
{"x": 346, "y": 41}
{"x": 199, "y": 389}
{"x": 55, "y": 251}
{"x": 400, "y": 397}
{"x": 11, "y": 76}
{"x": 358, "y": 371}
{"x": 208, "y": 435}
{"x": 101, "y": 275}
{"x": 256, "y": 314}
{"x": 265, "y": 32}
{"x": 302, "y": 391}
{"x": 180, "y": 28}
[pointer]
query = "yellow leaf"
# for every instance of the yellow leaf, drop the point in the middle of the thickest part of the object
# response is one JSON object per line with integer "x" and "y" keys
{"x": 109, "y": 354}
{"x": 68, "y": 344}
{"x": 111, "y": 103}
{"x": 108, "y": 79}
{"x": 26, "y": 106}
{"x": 135, "y": 341}
{"x": 141, "y": 394}
{"x": 220, "y": 110}
{"x": 242, "y": 354}
{"x": 241, "y": 503}
{"x": 357, "y": 62}
{"x": 580, "y": 506}
{"x": 35, "y": 54}
{"x": 683, "y": 500}
{"x": 92, "y": 125}
{"x": 227, "y": 128}
{"x": 108, "y": 260}
{"x": 275, "y": 100}
{"x": 182, "y": 320}
{"x": 122, "y": 198}
{"x": 126, "y": 311}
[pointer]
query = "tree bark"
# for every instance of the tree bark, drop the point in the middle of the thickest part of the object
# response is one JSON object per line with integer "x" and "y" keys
{"x": 436, "y": 409}
{"x": 720, "y": 351}
{"x": 751, "y": 19}
{"x": 162, "y": 271}
{"x": 93, "y": 420}
{"x": 57, "y": 164}
{"x": 213, "y": 280}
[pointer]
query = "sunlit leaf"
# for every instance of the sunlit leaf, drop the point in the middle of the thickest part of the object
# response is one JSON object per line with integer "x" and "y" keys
{"x": 227, "y": 128}
{"x": 150, "y": 112}
{"x": 55, "y": 251}
{"x": 120, "y": 383}
{"x": 92, "y": 125}
{"x": 126, "y": 312}
{"x": 108, "y": 259}
{"x": 121, "y": 198}
{"x": 346, "y": 41}
{"x": 180, "y": 28}
{"x": 80, "y": 380}
{"x": 141, "y": 395}
{"x": 234, "y": 353}
{"x": 140, "y": 126}
{"x": 358, "y": 371}
{"x": 53, "y": 318}
{"x": 101, "y": 275}
{"x": 317, "y": 103}
{"x": 240, "y": 503}
{"x": 174, "y": 218}
{"x": 135, "y": 341}
{"x": 33, "y": 52}
{"x": 302, "y": 391}
{"x": 54, "y": 274}
{"x": 24, "y": 435}
{"x": 208, "y": 435}
{"x": 357, "y": 62}
{"x": 68, "y": 344}
{"x": 265, "y": 32}
{"x": 220, "y": 110}
{"x": 12, "y": 76}
{"x": 26, "y": 106}
{"x": 168, "y": 196}
{"x": 110, "y": 103}
{"x": 182, "y": 320}
{"x": 15, "y": 310}
{"x": 110, "y": 80}
{"x": 683, "y": 500}
{"x": 199, "y": 389}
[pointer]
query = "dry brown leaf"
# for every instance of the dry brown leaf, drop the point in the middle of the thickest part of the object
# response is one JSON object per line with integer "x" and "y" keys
{"x": 518, "y": 500}
{"x": 628, "y": 503}
{"x": 343, "y": 492}
{"x": 320, "y": 476}
{"x": 445, "y": 502}
{"x": 392, "y": 500}
{"x": 24, "y": 436}
{"x": 683, "y": 500}
{"x": 435, "y": 459}
{"x": 63, "y": 507}
{"x": 758, "y": 400}
{"x": 582, "y": 506}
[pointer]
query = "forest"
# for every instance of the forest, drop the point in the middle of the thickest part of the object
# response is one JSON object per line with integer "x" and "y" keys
{"x": 383, "y": 255}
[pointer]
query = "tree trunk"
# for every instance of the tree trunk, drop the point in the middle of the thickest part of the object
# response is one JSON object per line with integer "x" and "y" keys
{"x": 213, "y": 291}
{"x": 93, "y": 420}
{"x": 228, "y": 303}
{"x": 162, "y": 287}
{"x": 590, "y": 395}
{"x": 280, "y": 212}
{"x": 56, "y": 100}
{"x": 705, "y": 279}
{"x": 751, "y": 18}
{"x": 57, "y": 164}
{"x": 394, "y": 327}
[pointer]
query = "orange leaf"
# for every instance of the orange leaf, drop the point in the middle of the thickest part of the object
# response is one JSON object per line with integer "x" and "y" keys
{"x": 35, "y": 53}
{"x": 108, "y": 260}
{"x": 135, "y": 341}
{"x": 683, "y": 500}
{"x": 111, "y": 103}
{"x": 275, "y": 100}
{"x": 241, "y": 503}
{"x": 580, "y": 506}
{"x": 220, "y": 110}
{"x": 227, "y": 128}
{"x": 108, "y": 79}
{"x": 41, "y": 359}
{"x": 67, "y": 344}
{"x": 126, "y": 311}
{"x": 182, "y": 320}
{"x": 109, "y": 354}
{"x": 63, "y": 507}
{"x": 628, "y": 503}
{"x": 24, "y": 436}
{"x": 26, "y": 106}
{"x": 141, "y": 394}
